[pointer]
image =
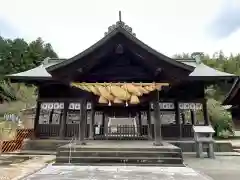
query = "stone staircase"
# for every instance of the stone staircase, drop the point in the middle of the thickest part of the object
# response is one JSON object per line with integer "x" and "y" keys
{"x": 164, "y": 156}
{"x": 236, "y": 148}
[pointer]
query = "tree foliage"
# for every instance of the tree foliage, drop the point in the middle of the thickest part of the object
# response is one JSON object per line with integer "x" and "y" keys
{"x": 17, "y": 56}
{"x": 220, "y": 118}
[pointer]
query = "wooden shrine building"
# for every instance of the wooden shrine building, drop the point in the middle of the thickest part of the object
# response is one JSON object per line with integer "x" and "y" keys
{"x": 233, "y": 104}
{"x": 120, "y": 88}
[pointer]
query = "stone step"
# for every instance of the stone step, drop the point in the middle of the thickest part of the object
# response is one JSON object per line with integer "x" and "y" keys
{"x": 117, "y": 164}
{"x": 120, "y": 138}
{"x": 119, "y": 154}
{"x": 236, "y": 149}
{"x": 99, "y": 149}
{"x": 127, "y": 160}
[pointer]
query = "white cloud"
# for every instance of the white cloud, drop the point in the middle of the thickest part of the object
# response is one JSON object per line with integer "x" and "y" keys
{"x": 71, "y": 26}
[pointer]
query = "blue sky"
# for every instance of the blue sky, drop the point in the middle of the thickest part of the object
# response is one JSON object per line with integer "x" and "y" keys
{"x": 169, "y": 26}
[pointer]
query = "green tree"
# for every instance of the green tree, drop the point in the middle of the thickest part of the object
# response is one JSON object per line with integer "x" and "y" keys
{"x": 16, "y": 56}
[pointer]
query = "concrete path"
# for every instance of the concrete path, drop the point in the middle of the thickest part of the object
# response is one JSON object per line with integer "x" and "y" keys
{"x": 116, "y": 173}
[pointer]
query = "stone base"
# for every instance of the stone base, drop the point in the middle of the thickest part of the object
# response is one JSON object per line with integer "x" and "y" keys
{"x": 120, "y": 152}
{"x": 186, "y": 146}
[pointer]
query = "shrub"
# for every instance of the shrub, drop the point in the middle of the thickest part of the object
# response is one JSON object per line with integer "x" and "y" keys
{"x": 220, "y": 118}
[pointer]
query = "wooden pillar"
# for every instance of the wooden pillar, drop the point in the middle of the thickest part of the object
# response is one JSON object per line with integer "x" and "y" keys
{"x": 103, "y": 124}
{"x": 106, "y": 125}
{"x": 183, "y": 118}
{"x": 63, "y": 121}
{"x": 82, "y": 124}
{"x": 177, "y": 118}
{"x": 51, "y": 116}
{"x": 157, "y": 120}
{"x": 149, "y": 122}
{"x": 92, "y": 120}
{"x": 193, "y": 117}
{"x": 36, "y": 120}
{"x": 205, "y": 113}
{"x": 140, "y": 123}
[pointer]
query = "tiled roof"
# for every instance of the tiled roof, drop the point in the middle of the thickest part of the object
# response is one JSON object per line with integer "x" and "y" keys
{"x": 38, "y": 72}
{"x": 201, "y": 70}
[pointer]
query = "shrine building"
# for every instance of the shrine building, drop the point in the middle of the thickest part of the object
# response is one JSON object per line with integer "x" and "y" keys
{"x": 120, "y": 88}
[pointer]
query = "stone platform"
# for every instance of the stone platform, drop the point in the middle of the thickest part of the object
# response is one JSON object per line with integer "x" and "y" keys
{"x": 120, "y": 152}
{"x": 117, "y": 173}
{"x": 186, "y": 145}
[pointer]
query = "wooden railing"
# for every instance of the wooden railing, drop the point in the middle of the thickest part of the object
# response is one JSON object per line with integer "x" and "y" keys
{"x": 126, "y": 132}
{"x": 168, "y": 131}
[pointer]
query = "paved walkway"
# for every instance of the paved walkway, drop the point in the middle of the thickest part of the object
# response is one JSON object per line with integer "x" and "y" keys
{"x": 20, "y": 170}
{"x": 116, "y": 173}
{"x": 221, "y": 168}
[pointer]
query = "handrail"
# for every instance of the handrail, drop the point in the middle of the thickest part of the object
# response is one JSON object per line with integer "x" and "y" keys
{"x": 75, "y": 143}
{"x": 70, "y": 150}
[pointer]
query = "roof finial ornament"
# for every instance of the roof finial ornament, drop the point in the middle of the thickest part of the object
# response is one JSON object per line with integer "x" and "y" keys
{"x": 120, "y": 16}
{"x": 120, "y": 24}
{"x": 197, "y": 56}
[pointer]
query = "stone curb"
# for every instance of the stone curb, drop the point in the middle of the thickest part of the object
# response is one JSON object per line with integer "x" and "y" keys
{"x": 216, "y": 154}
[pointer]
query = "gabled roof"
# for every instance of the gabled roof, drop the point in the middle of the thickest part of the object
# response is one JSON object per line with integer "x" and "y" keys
{"x": 232, "y": 93}
{"x": 113, "y": 30}
{"x": 196, "y": 70}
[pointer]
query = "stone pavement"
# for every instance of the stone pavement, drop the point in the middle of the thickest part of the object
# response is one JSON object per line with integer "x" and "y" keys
{"x": 20, "y": 170}
{"x": 116, "y": 173}
{"x": 221, "y": 168}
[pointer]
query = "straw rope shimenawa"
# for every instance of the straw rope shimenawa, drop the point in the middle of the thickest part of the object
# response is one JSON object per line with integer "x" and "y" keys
{"x": 119, "y": 92}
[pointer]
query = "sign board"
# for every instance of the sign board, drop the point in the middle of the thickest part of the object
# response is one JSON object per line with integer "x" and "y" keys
{"x": 48, "y": 106}
{"x": 167, "y": 117}
{"x": 192, "y": 106}
{"x": 73, "y": 118}
{"x": 11, "y": 117}
{"x": 60, "y": 105}
{"x": 97, "y": 129}
{"x": 165, "y": 105}
{"x": 203, "y": 129}
{"x": 182, "y": 105}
